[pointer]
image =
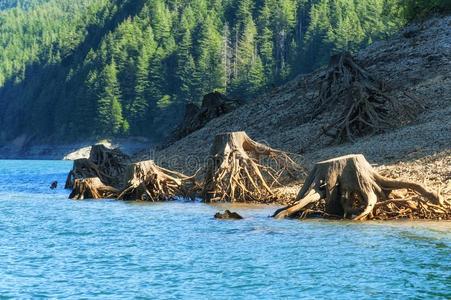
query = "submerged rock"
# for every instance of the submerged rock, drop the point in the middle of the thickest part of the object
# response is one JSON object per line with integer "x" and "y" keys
{"x": 228, "y": 215}
{"x": 54, "y": 185}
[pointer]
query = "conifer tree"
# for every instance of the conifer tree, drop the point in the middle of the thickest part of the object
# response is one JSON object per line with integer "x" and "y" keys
{"x": 109, "y": 109}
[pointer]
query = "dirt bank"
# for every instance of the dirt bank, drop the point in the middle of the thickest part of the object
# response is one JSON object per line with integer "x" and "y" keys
{"x": 415, "y": 63}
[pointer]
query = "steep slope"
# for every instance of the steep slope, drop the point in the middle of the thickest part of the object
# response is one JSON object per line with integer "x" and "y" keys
{"x": 416, "y": 62}
{"x": 104, "y": 68}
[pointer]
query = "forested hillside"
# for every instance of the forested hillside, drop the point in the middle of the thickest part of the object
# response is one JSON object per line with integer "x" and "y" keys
{"x": 76, "y": 69}
{"x": 24, "y": 4}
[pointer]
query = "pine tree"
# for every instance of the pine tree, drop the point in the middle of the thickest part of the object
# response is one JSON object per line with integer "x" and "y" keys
{"x": 210, "y": 57}
{"x": 109, "y": 109}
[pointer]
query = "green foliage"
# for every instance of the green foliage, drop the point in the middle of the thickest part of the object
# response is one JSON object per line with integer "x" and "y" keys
{"x": 414, "y": 9}
{"x": 74, "y": 69}
{"x": 109, "y": 109}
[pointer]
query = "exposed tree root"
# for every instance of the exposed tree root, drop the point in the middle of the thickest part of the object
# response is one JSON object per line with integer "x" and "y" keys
{"x": 148, "y": 182}
{"x": 361, "y": 100}
{"x": 106, "y": 164}
{"x": 351, "y": 188}
{"x": 112, "y": 162}
{"x": 92, "y": 188}
{"x": 234, "y": 172}
{"x": 213, "y": 106}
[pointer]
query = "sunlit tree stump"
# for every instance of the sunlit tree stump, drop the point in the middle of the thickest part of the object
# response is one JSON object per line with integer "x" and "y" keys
{"x": 350, "y": 187}
{"x": 92, "y": 188}
{"x": 234, "y": 172}
{"x": 148, "y": 182}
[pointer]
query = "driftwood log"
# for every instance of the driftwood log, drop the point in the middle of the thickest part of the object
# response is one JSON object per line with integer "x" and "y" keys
{"x": 148, "y": 182}
{"x": 360, "y": 101}
{"x": 348, "y": 187}
{"x": 234, "y": 171}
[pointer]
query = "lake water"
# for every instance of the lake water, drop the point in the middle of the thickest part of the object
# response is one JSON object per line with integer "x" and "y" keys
{"x": 54, "y": 247}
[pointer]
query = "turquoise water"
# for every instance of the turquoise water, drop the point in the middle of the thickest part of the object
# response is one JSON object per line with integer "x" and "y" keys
{"x": 58, "y": 248}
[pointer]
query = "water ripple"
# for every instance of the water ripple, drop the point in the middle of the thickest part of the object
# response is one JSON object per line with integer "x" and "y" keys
{"x": 54, "y": 247}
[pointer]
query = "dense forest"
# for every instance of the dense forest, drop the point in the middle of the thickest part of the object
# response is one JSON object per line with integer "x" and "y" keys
{"x": 99, "y": 68}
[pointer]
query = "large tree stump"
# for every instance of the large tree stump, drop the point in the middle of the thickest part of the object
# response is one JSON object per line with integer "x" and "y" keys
{"x": 213, "y": 106}
{"x": 361, "y": 101}
{"x": 148, "y": 182}
{"x": 350, "y": 188}
{"x": 234, "y": 172}
{"x": 111, "y": 161}
{"x": 106, "y": 164}
{"x": 92, "y": 188}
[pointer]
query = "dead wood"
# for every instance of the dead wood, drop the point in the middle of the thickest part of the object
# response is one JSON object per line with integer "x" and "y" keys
{"x": 92, "y": 188}
{"x": 148, "y": 182}
{"x": 213, "y": 106}
{"x": 361, "y": 101}
{"x": 235, "y": 172}
{"x": 351, "y": 188}
{"x": 106, "y": 164}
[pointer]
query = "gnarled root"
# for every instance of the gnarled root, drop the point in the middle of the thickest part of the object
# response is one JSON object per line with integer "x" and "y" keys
{"x": 84, "y": 168}
{"x": 148, "y": 182}
{"x": 234, "y": 172}
{"x": 106, "y": 164}
{"x": 92, "y": 188}
{"x": 351, "y": 188}
{"x": 361, "y": 101}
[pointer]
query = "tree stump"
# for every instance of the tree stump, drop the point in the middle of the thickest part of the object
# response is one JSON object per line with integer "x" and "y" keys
{"x": 350, "y": 188}
{"x": 148, "y": 182}
{"x": 106, "y": 164}
{"x": 362, "y": 101}
{"x": 92, "y": 188}
{"x": 213, "y": 106}
{"x": 234, "y": 173}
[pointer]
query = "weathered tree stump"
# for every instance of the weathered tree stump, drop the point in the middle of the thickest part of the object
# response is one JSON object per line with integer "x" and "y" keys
{"x": 213, "y": 106}
{"x": 234, "y": 173}
{"x": 92, "y": 188}
{"x": 106, "y": 164}
{"x": 350, "y": 188}
{"x": 112, "y": 162}
{"x": 362, "y": 101}
{"x": 148, "y": 182}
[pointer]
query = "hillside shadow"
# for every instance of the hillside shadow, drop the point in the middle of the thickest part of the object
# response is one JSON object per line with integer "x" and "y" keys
{"x": 46, "y": 82}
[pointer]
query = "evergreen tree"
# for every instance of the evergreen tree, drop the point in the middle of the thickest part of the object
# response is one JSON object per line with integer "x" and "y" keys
{"x": 109, "y": 109}
{"x": 135, "y": 64}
